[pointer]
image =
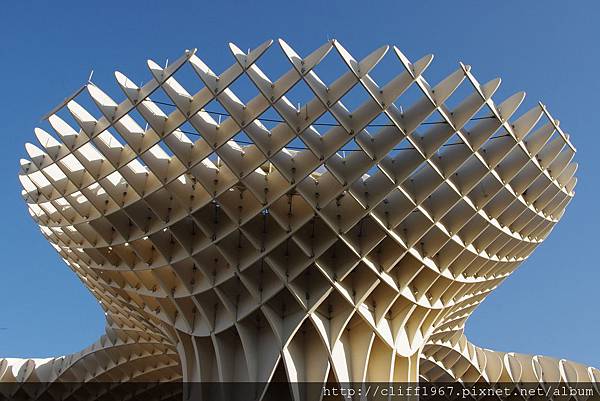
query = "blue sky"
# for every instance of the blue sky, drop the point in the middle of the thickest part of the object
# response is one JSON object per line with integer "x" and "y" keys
{"x": 547, "y": 48}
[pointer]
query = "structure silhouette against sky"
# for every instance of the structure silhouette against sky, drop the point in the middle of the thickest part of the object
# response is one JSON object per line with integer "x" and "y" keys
{"x": 290, "y": 234}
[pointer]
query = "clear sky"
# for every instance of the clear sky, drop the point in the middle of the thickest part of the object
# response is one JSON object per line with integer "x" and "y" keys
{"x": 549, "y": 49}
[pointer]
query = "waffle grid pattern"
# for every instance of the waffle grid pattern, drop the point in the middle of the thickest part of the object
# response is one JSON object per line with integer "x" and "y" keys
{"x": 348, "y": 251}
